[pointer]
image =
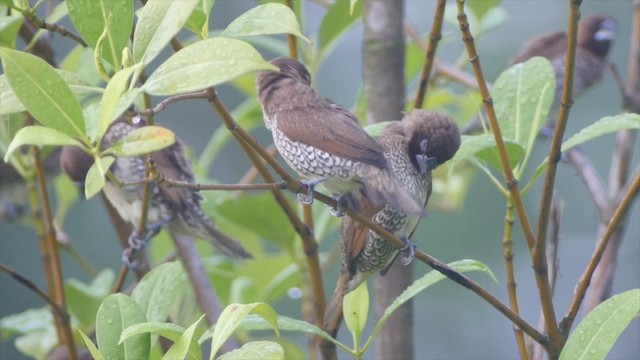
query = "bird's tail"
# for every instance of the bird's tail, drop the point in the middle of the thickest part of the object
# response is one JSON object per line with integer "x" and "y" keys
{"x": 382, "y": 186}
{"x": 333, "y": 318}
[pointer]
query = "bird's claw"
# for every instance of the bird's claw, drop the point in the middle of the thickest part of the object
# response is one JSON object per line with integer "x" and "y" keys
{"x": 307, "y": 198}
{"x": 410, "y": 250}
{"x": 129, "y": 259}
{"x": 340, "y": 208}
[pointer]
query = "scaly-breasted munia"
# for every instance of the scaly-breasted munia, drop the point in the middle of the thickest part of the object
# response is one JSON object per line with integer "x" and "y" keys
{"x": 323, "y": 142}
{"x": 422, "y": 141}
{"x": 595, "y": 37}
{"x": 177, "y": 208}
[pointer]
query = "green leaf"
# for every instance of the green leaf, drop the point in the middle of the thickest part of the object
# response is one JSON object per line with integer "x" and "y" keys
{"x": 600, "y": 329}
{"x": 112, "y": 93}
{"x": 198, "y": 22}
{"x": 90, "y": 17}
{"x": 141, "y": 141}
{"x": 606, "y": 125}
{"x": 84, "y": 300}
{"x": 39, "y": 136}
{"x": 272, "y": 275}
{"x": 481, "y": 7}
{"x": 37, "y": 345}
{"x": 522, "y": 97}
{"x": 270, "y": 223}
{"x": 9, "y": 26}
{"x": 95, "y": 353}
{"x": 203, "y": 64}
{"x": 28, "y": 321}
{"x": 340, "y": 17}
{"x": 356, "y": 311}
{"x": 43, "y": 92}
{"x": 168, "y": 330}
{"x": 95, "y": 176}
{"x": 256, "y": 350}
{"x": 423, "y": 283}
{"x": 155, "y": 293}
{"x": 80, "y": 62}
{"x": 158, "y": 22}
{"x": 272, "y": 18}
{"x": 181, "y": 347}
{"x": 483, "y": 147}
{"x": 233, "y": 315}
{"x": 117, "y": 312}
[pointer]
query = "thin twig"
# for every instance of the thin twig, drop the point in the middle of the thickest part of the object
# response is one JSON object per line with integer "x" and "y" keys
{"x": 585, "y": 279}
{"x": 507, "y": 252}
{"x": 591, "y": 178}
{"x": 163, "y": 104}
{"x": 33, "y": 287}
{"x": 40, "y": 23}
{"x": 434, "y": 38}
{"x": 157, "y": 177}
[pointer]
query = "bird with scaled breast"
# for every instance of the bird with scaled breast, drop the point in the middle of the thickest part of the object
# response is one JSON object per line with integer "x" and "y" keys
{"x": 595, "y": 38}
{"x": 177, "y": 208}
{"x": 325, "y": 143}
{"x": 415, "y": 146}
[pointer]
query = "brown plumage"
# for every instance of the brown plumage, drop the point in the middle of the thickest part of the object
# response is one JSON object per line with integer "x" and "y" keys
{"x": 595, "y": 38}
{"x": 178, "y": 208}
{"x": 324, "y": 142}
{"x": 414, "y": 147}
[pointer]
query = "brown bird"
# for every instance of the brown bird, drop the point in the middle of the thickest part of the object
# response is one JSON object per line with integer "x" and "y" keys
{"x": 595, "y": 38}
{"x": 177, "y": 208}
{"x": 323, "y": 142}
{"x": 422, "y": 141}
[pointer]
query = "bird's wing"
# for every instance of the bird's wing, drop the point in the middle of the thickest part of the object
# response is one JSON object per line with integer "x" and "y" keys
{"x": 548, "y": 46}
{"x": 330, "y": 127}
{"x": 173, "y": 165}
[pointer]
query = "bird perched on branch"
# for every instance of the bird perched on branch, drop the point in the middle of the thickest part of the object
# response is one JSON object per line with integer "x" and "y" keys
{"x": 415, "y": 146}
{"x": 324, "y": 143}
{"x": 595, "y": 38}
{"x": 177, "y": 208}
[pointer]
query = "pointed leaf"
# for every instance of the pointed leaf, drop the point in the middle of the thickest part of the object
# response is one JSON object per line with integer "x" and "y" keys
{"x": 170, "y": 331}
{"x": 39, "y": 136}
{"x": 95, "y": 353}
{"x": 9, "y": 26}
{"x": 340, "y": 17}
{"x": 483, "y": 147}
{"x": 84, "y": 300}
{"x": 522, "y": 97}
{"x": 272, "y": 18}
{"x": 203, "y": 64}
{"x": 90, "y": 17}
{"x": 198, "y": 22}
{"x": 158, "y": 22}
{"x": 112, "y": 93}
{"x": 43, "y": 92}
{"x": 95, "y": 176}
{"x": 600, "y": 329}
{"x": 356, "y": 311}
{"x": 156, "y": 292}
{"x": 231, "y": 318}
{"x": 181, "y": 347}
{"x": 144, "y": 140}
{"x": 116, "y": 313}
{"x": 256, "y": 350}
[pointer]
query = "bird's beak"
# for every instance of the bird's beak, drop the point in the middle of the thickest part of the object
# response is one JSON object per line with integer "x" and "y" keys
{"x": 608, "y": 31}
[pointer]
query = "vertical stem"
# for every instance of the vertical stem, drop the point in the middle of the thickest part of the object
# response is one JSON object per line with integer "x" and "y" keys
{"x": 434, "y": 38}
{"x": 507, "y": 251}
{"x": 291, "y": 39}
{"x": 383, "y": 53}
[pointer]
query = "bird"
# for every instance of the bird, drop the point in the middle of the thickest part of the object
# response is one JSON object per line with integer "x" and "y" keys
{"x": 415, "y": 146}
{"x": 324, "y": 142}
{"x": 176, "y": 208}
{"x": 596, "y": 34}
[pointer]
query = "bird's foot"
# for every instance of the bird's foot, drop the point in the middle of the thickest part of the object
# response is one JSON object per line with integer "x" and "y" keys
{"x": 129, "y": 256}
{"x": 139, "y": 241}
{"x": 344, "y": 202}
{"x": 409, "y": 250}
{"x": 307, "y": 198}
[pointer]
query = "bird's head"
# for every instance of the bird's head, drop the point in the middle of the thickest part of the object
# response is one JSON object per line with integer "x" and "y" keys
{"x": 597, "y": 33}
{"x": 433, "y": 139}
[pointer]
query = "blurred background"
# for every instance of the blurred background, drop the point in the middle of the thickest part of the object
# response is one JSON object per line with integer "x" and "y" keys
{"x": 451, "y": 323}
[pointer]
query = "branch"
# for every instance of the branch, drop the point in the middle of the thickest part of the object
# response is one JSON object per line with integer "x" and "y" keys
{"x": 163, "y": 104}
{"x": 434, "y": 38}
{"x": 585, "y": 279}
{"x": 591, "y": 178}
{"x": 40, "y": 23}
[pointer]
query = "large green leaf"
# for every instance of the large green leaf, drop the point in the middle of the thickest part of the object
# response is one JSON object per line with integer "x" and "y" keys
{"x": 231, "y": 318}
{"x": 9, "y": 26}
{"x": 95, "y": 176}
{"x": 141, "y": 141}
{"x": 256, "y": 350}
{"x": 181, "y": 348}
{"x": 600, "y": 329}
{"x": 522, "y": 97}
{"x": 112, "y": 93}
{"x": 356, "y": 311}
{"x": 483, "y": 148}
{"x": 84, "y": 300}
{"x": 272, "y": 18}
{"x": 606, "y": 125}
{"x": 43, "y": 92}
{"x": 170, "y": 331}
{"x": 158, "y": 22}
{"x": 336, "y": 22}
{"x": 39, "y": 136}
{"x": 117, "y": 312}
{"x": 203, "y": 64}
{"x": 156, "y": 292}
{"x": 90, "y": 17}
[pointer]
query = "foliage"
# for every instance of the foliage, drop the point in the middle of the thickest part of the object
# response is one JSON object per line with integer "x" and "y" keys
{"x": 124, "y": 65}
